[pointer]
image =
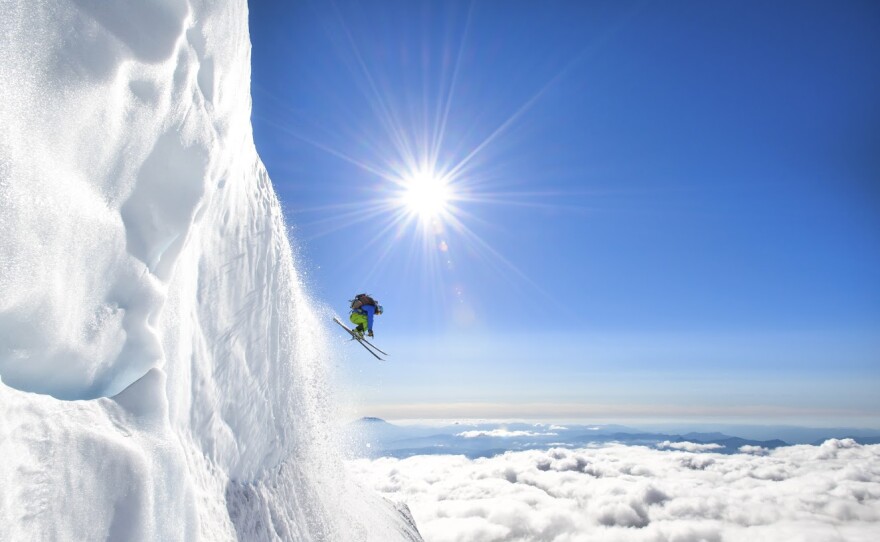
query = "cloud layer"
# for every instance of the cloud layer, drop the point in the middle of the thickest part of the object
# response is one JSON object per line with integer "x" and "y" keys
{"x": 810, "y": 493}
{"x": 502, "y": 433}
{"x": 689, "y": 446}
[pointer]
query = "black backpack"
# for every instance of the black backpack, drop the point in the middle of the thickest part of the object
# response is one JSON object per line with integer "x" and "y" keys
{"x": 363, "y": 299}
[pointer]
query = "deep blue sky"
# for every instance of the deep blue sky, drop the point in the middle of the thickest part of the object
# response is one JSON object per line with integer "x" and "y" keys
{"x": 666, "y": 208}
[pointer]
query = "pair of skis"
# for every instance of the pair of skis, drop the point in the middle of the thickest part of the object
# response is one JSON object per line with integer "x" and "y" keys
{"x": 355, "y": 336}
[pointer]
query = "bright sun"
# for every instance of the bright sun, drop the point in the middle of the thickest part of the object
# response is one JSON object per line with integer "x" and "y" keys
{"x": 425, "y": 194}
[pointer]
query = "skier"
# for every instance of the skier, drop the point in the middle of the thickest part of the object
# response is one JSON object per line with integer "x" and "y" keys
{"x": 363, "y": 307}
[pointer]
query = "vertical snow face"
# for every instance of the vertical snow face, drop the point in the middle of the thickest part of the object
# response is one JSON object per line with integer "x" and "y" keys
{"x": 107, "y": 152}
{"x": 163, "y": 369}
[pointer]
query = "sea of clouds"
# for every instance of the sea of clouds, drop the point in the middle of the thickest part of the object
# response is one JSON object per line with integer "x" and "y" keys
{"x": 615, "y": 492}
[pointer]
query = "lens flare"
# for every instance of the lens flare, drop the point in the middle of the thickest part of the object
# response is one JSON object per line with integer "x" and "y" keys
{"x": 425, "y": 166}
{"x": 425, "y": 194}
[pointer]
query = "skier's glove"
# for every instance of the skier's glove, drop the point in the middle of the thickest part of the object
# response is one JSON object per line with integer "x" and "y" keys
{"x": 370, "y": 333}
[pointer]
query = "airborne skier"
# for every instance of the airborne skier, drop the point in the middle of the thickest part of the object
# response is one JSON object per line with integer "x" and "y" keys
{"x": 363, "y": 308}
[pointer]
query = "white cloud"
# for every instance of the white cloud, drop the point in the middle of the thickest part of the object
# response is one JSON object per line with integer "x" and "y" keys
{"x": 689, "y": 446}
{"x": 617, "y": 492}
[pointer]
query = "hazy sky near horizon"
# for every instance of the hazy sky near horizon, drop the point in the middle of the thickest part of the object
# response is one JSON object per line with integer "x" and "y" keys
{"x": 658, "y": 209}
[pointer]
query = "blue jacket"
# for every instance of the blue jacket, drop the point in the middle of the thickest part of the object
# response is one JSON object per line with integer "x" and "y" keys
{"x": 369, "y": 310}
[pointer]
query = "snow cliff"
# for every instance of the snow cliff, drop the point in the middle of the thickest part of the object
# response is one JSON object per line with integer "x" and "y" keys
{"x": 162, "y": 366}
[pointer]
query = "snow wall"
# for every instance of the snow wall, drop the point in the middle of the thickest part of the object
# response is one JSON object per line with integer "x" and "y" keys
{"x": 163, "y": 369}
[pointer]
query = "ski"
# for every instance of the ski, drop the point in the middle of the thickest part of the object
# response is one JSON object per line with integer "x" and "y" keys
{"x": 361, "y": 339}
{"x": 363, "y": 342}
{"x": 375, "y": 355}
{"x": 373, "y": 346}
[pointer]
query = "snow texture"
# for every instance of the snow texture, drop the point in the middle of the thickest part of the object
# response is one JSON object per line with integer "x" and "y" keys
{"x": 163, "y": 369}
{"x": 635, "y": 493}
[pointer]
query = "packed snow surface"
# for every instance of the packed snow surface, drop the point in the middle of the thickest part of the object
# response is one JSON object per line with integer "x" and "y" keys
{"x": 163, "y": 369}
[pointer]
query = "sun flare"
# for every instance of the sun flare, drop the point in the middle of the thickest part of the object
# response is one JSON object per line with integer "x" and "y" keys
{"x": 426, "y": 194}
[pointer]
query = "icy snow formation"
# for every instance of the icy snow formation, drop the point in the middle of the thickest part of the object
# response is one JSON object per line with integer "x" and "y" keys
{"x": 162, "y": 367}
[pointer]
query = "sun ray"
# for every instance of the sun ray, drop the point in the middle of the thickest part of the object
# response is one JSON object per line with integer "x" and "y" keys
{"x": 492, "y": 257}
{"x": 348, "y": 220}
{"x": 385, "y": 113}
{"x": 440, "y": 126}
{"x": 395, "y": 220}
{"x": 425, "y": 192}
{"x": 528, "y": 104}
{"x": 326, "y": 148}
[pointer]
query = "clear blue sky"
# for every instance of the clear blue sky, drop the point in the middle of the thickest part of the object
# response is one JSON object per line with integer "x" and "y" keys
{"x": 662, "y": 209}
